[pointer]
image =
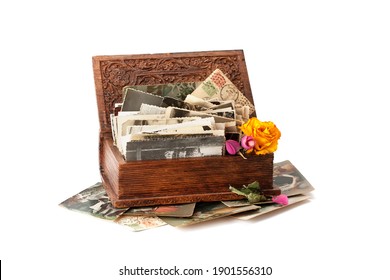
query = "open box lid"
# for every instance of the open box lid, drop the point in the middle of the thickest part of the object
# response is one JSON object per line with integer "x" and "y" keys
{"x": 112, "y": 73}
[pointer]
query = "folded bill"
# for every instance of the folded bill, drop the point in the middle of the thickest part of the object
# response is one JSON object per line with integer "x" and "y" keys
{"x": 218, "y": 87}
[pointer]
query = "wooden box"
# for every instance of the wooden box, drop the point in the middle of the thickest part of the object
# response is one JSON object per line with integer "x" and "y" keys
{"x": 171, "y": 181}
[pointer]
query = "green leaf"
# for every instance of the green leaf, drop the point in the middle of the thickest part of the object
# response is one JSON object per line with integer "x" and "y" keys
{"x": 255, "y": 186}
{"x": 236, "y": 191}
{"x": 256, "y": 197}
{"x": 252, "y": 192}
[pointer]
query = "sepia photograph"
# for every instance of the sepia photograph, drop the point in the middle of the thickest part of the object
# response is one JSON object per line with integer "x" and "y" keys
{"x": 290, "y": 180}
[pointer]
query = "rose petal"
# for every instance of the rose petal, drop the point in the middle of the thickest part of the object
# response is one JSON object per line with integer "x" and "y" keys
{"x": 232, "y": 147}
{"x": 265, "y": 134}
{"x": 247, "y": 142}
{"x": 280, "y": 199}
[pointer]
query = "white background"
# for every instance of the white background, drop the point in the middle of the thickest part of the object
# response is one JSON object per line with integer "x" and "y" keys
{"x": 319, "y": 69}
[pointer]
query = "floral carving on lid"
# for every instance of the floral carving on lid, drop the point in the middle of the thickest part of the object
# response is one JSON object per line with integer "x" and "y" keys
{"x": 117, "y": 73}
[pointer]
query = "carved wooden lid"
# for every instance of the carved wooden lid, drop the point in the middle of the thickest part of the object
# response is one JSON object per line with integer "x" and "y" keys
{"x": 112, "y": 73}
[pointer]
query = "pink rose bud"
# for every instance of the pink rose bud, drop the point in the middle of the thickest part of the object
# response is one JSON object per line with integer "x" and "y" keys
{"x": 247, "y": 142}
{"x": 232, "y": 147}
{"x": 281, "y": 199}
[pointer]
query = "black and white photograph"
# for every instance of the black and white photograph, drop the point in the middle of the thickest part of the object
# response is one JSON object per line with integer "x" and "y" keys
{"x": 93, "y": 201}
{"x": 172, "y": 148}
{"x": 133, "y": 100}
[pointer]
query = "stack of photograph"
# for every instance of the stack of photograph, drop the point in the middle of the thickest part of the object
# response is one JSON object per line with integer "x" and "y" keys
{"x": 147, "y": 126}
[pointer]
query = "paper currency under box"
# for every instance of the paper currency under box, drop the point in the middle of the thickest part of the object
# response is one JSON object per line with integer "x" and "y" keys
{"x": 171, "y": 123}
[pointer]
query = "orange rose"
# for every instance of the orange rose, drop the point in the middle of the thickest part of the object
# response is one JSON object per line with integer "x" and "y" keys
{"x": 266, "y": 135}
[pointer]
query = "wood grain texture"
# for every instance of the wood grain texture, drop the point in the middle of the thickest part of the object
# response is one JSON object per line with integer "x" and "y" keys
{"x": 141, "y": 183}
{"x": 175, "y": 181}
{"x": 112, "y": 73}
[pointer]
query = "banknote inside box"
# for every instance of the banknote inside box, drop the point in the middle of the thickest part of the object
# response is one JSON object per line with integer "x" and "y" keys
{"x": 164, "y": 121}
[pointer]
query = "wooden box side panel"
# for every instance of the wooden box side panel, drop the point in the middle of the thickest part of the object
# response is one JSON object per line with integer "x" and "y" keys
{"x": 110, "y": 158}
{"x": 177, "y": 181}
{"x": 112, "y": 73}
{"x": 193, "y": 176}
